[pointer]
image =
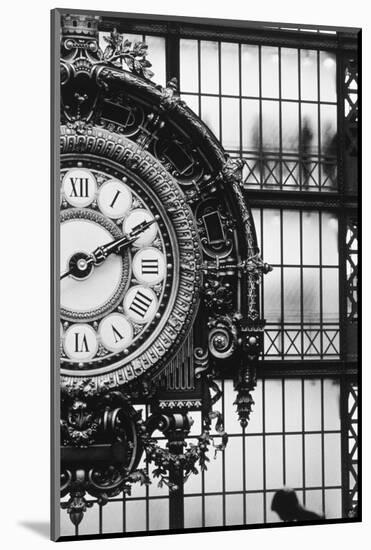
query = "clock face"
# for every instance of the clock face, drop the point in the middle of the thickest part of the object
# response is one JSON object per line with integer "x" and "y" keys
{"x": 123, "y": 288}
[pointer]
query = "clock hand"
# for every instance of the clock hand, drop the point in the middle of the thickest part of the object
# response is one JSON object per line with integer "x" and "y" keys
{"x": 66, "y": 273}
{"x": 81, "y": 264}
{"x": 101, "y": 253}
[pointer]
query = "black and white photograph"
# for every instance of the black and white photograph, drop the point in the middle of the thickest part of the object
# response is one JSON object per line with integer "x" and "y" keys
{"x": 205, "y": 274}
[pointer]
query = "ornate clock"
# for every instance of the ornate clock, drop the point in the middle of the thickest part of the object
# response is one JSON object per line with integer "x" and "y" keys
{"x": 130, "y": 261}
{"x": 159, "y": 273}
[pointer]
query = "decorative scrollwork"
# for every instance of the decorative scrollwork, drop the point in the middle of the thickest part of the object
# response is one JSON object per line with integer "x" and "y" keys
{"x": 176, "y": 428}
{"x": 181, "y": 159}
{"x": 81, "y": 424}
{"x": 170, "y": 96}
{"x": 223, "y": 337}
{"x": 231, "y": 170}
{"x": 109, "y": 426}
{"x": 218, "y": 294}
{"x": 244, "y": 385}
{"x": 201, "y": 358}
{"x": 215, "y": 226}
{"x": 255, "y": 266}
{"x": 133, "y": 54}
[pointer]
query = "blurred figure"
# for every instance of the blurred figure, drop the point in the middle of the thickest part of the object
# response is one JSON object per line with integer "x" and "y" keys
{"x": 354, "y": 512}
{"x": 285, "y": 503}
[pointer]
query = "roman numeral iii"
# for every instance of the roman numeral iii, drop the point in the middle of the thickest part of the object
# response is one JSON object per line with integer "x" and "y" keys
{"x": 149, "y": 266}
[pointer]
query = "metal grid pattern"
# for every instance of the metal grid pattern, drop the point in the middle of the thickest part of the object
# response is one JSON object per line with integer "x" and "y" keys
{"x": 292, "y": 441}
{"x": 351, "y": 104}
{"x": 301, "y": 296}
{"x": 352, "y": 269}
{"x": 274, "y": 107}
{"x": 352, "y": 447}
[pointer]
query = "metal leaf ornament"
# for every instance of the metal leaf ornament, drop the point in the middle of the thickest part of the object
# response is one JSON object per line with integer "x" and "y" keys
{"x": 134, "y": 54}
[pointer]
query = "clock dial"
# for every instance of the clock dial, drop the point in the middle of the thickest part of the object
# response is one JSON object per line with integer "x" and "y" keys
{"x": 108, "y": 293}
{"x": 129, "y": 257}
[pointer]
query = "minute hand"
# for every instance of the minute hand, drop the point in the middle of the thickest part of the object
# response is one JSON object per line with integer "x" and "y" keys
{"x": 101, "y": 253}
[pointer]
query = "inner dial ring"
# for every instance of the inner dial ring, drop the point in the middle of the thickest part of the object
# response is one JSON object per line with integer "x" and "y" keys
{"x": 111, "y": 296}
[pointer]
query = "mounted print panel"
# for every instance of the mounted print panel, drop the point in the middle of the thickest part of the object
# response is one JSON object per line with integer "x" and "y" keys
{"x": 205, "y": 230}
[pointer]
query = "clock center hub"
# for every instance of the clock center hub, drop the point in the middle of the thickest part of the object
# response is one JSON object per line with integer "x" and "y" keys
{"x": 80, "y": 266}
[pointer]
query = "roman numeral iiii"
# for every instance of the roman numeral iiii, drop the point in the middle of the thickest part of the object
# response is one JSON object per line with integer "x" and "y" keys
{"x": 140, "y": 304}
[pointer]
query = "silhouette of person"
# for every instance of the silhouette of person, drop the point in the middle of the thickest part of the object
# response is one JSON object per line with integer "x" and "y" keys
{"x": 354, "y": 512}
{"x": 286, "y": 504}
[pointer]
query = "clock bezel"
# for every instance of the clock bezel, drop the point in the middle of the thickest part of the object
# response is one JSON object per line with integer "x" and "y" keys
{"x": 119, "y": 152}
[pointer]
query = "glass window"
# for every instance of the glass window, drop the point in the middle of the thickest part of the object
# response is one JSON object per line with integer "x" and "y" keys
{"x": 230, "y": 73}
{"x": 288, "y": 109}
{"x": 308, "y": 75}
{"x": 289, "y": 73}
{"x": 210, "y": 113}
{"x": 209, "y": 67}
{"x": 157, "y": 56}
{"x": 269, "y": 71}
{"x": 188, "y": 65}
{"x": 250, "y": 70}
{"x": 231, "y": 123}
{"x": 327, "y": 76}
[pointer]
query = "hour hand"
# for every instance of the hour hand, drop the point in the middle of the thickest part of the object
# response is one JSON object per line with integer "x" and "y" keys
{"x": 101, "y": 253}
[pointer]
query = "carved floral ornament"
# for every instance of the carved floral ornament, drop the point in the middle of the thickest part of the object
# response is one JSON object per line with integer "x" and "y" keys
{"x": 98, "y": 411}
